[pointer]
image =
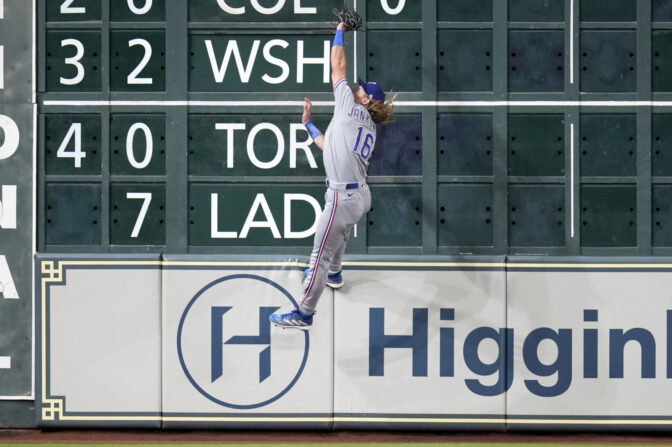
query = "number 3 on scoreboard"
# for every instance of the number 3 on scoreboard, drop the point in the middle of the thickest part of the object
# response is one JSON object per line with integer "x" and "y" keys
{"x": 74, "y": 61}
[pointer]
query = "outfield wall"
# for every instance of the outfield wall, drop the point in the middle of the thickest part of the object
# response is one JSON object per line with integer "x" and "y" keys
{"x": 173, "y": 126}
{"x": 445, "y": 343}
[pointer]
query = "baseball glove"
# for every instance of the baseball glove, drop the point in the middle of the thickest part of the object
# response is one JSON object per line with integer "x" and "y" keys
{"x": 349, "y": 17}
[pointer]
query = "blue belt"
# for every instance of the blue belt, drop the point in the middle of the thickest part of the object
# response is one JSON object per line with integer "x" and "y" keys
{"x": 348, "y": 185}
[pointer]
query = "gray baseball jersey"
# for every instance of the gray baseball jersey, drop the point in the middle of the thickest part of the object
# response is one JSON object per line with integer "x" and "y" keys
{"x": 348, "y": 145}
{"x": 349, "y": 139}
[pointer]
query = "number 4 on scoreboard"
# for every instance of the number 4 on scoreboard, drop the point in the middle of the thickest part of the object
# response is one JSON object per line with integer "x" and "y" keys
{"x": 75, "y": 132}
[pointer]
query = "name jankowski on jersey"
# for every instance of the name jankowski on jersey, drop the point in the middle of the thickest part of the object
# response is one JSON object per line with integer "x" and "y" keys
{"x": 359, "y": 114}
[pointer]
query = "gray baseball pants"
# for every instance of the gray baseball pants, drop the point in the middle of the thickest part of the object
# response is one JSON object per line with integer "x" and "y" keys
{"x": 343, "y": 208}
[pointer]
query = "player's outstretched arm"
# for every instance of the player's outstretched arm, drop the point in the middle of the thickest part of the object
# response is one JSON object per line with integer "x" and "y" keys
{"x": 339, "y": 61}
{"x": 316, "y": 135}
{"x": 348, "y": 20}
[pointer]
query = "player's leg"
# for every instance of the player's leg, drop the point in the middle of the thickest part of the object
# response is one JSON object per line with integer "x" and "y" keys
{"x": 335, "y": 276}
{"x": 354, "y": 206}
{"x": 329, "y": 240}
{"x": 322, "y": 225}
{"x": 326, "y": 236}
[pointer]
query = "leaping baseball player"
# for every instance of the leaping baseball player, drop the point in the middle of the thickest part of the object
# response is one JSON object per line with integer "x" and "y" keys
{"x": 348, "y": 145}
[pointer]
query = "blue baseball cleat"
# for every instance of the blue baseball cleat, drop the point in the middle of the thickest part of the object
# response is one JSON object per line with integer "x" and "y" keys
{"x": 295, "y": 320}
{"x": 334, "y": 281}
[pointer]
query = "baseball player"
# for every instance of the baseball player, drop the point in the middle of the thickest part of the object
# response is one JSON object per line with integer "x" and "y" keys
{"x": 348, "y": 145}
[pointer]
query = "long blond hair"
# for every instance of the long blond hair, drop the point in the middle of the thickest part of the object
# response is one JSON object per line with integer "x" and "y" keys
{"x": 382, "y": 112}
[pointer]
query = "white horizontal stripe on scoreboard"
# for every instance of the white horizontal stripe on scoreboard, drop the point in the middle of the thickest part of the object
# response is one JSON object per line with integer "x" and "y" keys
{"x": 214, "y": 103}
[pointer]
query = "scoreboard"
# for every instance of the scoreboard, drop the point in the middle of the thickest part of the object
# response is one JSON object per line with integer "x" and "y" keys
{"x": 166, "y": 126}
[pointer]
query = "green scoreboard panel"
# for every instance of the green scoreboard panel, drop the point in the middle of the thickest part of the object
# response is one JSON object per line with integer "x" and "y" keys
{"x": 523, "y": 127}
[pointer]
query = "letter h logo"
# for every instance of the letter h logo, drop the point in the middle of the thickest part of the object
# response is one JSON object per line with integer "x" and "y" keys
{"x": 263, "y": 339}
{"x": 379, "y": 341}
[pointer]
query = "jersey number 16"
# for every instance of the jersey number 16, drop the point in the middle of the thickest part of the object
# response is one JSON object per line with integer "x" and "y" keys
{"x": 365, "y": 150}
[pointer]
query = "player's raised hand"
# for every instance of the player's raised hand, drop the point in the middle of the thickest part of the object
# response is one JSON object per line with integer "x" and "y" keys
{"x": 349, "y": 18}
{"x": 307, "y": 107}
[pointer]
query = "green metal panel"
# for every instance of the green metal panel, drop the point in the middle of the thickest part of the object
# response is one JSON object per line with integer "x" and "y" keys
{"x": 429, "y": 116}
{"x": 611, "y": 11}
{"x": 75, "y": 10}
{"x": 208, "y": 73}
{"x": 398, "y": 149}
{"x": 661, "y": 43}
{"x": 16, "y": 248}
{"x": 17, "y": 70}
{"x": 273, "y": 218}
{"x": 406, "y": 76}
{"x": 536, "y": 215}
{"x": 17, "y": 413}
{"x": 177, "y": 72}
{"x": 608, "y": 216}
{"x": 465, "y": 60}
{"x": 15, "y": 315}
{"x": 262, "y": 11}
{"x": 661, "y": 211}
{"x": 79, "y": 138}
{"x": 608, "y": 60}
{"x": 464, "y": 10}
{"x": 68, "y": 68}
{"x": 661, "y": 157}
{"x": 137, "y": 214}
{"x": 395, "y": 219}
{"x": 661, "y": 10}
{"x": 536, "y": 11}
{"x": 144, "y": 11}
{"x": 17, "y": 219}
{"x": 644, "y": 179}
{"x": 465, "y": 144}
{"x": 536, "y": 145}
{"x": 396, "y": 11}
{"x": 253, "y": 145}
{"x": 465, "y": 215}
{"x": 73, "y": 214}
{"x": 137, "y": 61}
{"x": 608, "y": 145}
{"x": 145, "y": 136}
{"x": 536, "y": 61}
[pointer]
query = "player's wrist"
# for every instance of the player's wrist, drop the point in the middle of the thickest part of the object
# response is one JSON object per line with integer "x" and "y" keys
{"x": 313, "y": 130}
{"x": 338, "y": 38}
